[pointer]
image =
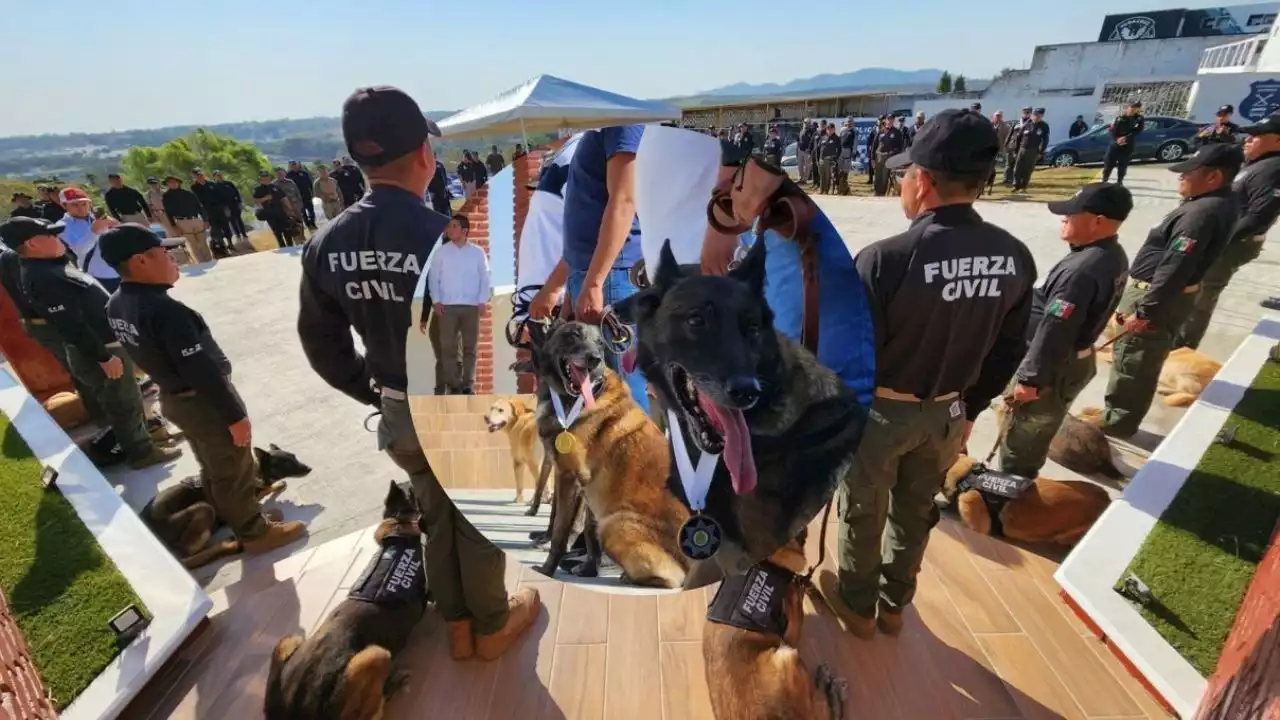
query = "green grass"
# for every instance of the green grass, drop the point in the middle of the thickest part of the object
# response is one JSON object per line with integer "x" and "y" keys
{"x": 1202, "y": 554}
{"x": 61, "y": 587}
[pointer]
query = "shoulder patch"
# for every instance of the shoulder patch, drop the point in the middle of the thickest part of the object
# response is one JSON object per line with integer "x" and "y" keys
{"x": 1060, "y": 308}
{"x": 1183, "y": 244}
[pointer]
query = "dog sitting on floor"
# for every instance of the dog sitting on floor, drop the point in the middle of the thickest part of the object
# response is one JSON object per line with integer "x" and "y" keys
{"x": 184, "y": 520}
{"x": 1046, "y": 511}
{"x": 344, "y": 670}
{"x": 516, "y": 419}
{"x": 751, "y": 646}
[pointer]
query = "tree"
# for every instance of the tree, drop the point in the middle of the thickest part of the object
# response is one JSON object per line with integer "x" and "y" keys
{"x": 960, "y": 83}
{"x": 944, "y": 83}
{"x": 240, "y": 162}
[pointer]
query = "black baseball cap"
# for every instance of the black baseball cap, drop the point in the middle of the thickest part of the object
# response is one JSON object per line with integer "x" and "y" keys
{"x": 1105, "y": 199}
{"x": 20, "y": 194}
{"x": 1226, "y": 109}
{"x": 122, "y": 242}
{"x": 167, "y": 178}
{"x": 1223, "y": 156}
{"x": 955, "y": 141}
{"x": 381, "y": 124}
{"x": 264, "y": 173}
{"x": 112, "y": 175}
{"x": 1269, "y": 125}
{"x": 15, "y": 232}
{"x": 1026, "y": 109}
{"x": 152, "y": 179}
{"x": 1038, "y": 111}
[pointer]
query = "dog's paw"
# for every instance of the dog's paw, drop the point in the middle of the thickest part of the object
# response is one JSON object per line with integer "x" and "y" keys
{"x": 547, "y": 568}
{"x": 834, "y": 689}
{"x": 539, "y": 538}
{"x": 585, "y": 569}
{"x": 532, "y": 511}
{"x": 396, "y": 681}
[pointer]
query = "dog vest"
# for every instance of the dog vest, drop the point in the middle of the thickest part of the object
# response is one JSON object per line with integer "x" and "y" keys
{"x": 397, "y": 574}
{"x": 753, "y": 600}
{"x": 996, "y": 489}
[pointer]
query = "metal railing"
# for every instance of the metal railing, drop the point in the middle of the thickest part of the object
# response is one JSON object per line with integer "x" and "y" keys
{"x": 1233, "y": 57}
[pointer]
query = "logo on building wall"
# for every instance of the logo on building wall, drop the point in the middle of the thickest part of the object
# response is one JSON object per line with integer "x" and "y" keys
{"x": 1262, "y": 100}
{"x": 1138, "y": 27}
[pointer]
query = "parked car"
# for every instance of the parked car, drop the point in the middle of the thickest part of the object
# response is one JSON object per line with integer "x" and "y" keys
{"x": 1166, "y": 139}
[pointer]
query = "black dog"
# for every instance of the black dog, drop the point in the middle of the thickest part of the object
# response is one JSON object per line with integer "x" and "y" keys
{"x": 786, "y": 427}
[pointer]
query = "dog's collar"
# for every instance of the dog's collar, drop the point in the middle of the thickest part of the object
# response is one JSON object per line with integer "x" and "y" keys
{"x": 833, "y": 416}
{"x": 754, "y": 600}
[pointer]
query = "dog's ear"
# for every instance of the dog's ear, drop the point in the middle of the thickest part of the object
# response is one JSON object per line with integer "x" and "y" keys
{"x": 635, "y": 309}
{"x": 668, "y": 269}
{"x": 262, "y": 456}
{"x": 394, "y": 494}
{"x": 751, "y": 271}
{"x": 366, "y": 675}
{"x": 284, "y": 650}
{"x": 273, "y": 447}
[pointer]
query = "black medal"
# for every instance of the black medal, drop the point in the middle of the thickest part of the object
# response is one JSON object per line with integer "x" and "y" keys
{"x": 699, "y": 537}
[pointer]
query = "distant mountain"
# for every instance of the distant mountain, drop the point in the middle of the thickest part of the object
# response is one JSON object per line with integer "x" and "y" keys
{"x": 866, "y": 77}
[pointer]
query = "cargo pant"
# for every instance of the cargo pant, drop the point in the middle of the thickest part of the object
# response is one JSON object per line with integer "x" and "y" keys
{"x": 1024, "y": 166}
{"x": 900, "y": 465}
{"x": 1235, "y": 256}
{"x": 120, "y": 399}
{"x": 1137, "y": 359}
{"x": 882, "y": 175}
{"x": 193, "y": 231}
{"x": 466, "y": 572}
{"x": 1032, "y": 425}
{"x": 433, "y": 336}
{"x": 459, "y": 333}
{"x": 229, "y": 473}
{"x": 50, "y": 339}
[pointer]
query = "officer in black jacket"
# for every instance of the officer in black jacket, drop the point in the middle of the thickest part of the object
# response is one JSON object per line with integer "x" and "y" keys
{"x": 1124, "y": 136}
{"x": 360, "y": 271}
{"x": 773, "y": 147}
{"x": 22, "y": 207}
{"x": 234, "y": 204}
{"x": 804, "y": 148}
{"x": 1033, "y": 138}
{"x": 1069, "y": 311}
{"x": 1257, "y": 190}
{"x": 125, "y": 203}
{"x": 212, "y": 197}
{"x": 1222, "y": 130}
{"x": 1164, "y": 280}
{"x": 950, "y": 269}
{"x": 350, "y": 181}
{"x": 828, "y": 152}
{"x": 1012, "y": 144}
{"x": 890, "y": 140}
{"x": 71, "y": 301}
{"x": 174, "y": 345}
{"x": 438, "y": 190}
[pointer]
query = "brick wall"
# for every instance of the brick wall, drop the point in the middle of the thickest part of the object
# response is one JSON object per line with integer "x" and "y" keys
{"x": 21, "y": 690}
{"x": 526, "y": 171}
{"x": 476, "y": 209}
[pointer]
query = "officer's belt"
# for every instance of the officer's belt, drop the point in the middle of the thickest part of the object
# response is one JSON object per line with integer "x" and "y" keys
{"x": 36, "y": 321}
{"x": 393, "y": 394}
{"x": 1143, "y": 285}
{"x": 887, "y": 394}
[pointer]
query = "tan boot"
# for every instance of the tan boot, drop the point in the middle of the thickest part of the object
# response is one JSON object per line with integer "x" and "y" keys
{"x": 157, "y": 456}
{"x": 161, "y": 431}
{"x": 524, "y": 607}
{"x": 462, "y": 644}
{"x": 860, "y": 626}
{"x": 278, "y": 535}
{"x": 889, "y": 621}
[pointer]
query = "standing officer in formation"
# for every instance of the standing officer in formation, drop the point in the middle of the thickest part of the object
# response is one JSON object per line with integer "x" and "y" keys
{"x": 1033, "y": 138}
{"x": 291, "y": 191}
{"x": 386, "y": 132}
{"x": 76, "y": 306}
{"x": 1068, "y": 314}
{"x": 773, "y": 147}
{"x": 1011, "y": 147}
{"x": 1257, "y": 190}
{"x": 827, "y": 150}
{"x": 300, "y": 177}
{"x": 326, "y": 188}
{"x": 1166, "y": 276}
{"x": 174, "y": 345}
{"x": 350, "y": 181}
{"x": 188, "y": 217}
{"x": 211, "y": 196}
{"x": 233, "y": 204}
{"x": 890, "y": 140}
{"x": 20, "y": 206}
{"x": 1222, "y": 130}
{"x": 125, "y": 203}
{"x": 1124, "y": 135}
{"x": 950, "y": 269}
{"x": 155, "y": 203}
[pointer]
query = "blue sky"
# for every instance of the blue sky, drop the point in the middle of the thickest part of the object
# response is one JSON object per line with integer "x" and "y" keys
{"x": 96, "y": 66}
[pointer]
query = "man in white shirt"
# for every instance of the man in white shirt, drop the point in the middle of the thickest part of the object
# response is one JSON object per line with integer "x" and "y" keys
{"x": 81, "y": 235}
{"x": 459, "y": 287}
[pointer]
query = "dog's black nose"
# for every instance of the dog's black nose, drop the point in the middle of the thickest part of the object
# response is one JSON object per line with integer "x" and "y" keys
{"x": 744, "y": 391}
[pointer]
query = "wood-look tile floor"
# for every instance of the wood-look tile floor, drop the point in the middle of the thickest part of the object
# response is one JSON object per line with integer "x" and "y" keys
{"x": 987, "y": 638}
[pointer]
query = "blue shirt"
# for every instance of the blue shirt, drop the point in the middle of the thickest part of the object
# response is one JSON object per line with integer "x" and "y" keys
{"x": 846, "y": 333}
{"x": 589, "y": 194}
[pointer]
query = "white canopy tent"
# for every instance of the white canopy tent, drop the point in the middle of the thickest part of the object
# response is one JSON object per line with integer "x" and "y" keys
{"x": 547, "y": 104}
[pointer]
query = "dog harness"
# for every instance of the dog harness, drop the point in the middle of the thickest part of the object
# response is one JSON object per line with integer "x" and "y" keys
{"x": 996, "y": 489}
{"x": 753, "y": 600}
{"x": 397, "y": 574}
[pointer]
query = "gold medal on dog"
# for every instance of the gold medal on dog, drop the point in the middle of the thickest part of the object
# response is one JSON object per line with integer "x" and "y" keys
{"x": 564, "y": 442}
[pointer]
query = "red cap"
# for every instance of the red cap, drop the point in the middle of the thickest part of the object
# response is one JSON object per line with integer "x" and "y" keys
{"x": 71, "y": 194}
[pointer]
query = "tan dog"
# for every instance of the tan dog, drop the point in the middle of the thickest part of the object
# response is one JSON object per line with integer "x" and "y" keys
{"x": 1049, "y": 511}
{"x": 521, "y": 426}
{"x": 1185, "y": 374}
{"x": 759, "y": 675}
{"x": 67, "y": 410}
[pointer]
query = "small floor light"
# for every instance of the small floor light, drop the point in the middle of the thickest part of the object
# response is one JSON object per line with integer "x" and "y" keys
{"x": 1274, "y": 355}
{"x": 48, "y": 477}
{"x": 128, "y": 624}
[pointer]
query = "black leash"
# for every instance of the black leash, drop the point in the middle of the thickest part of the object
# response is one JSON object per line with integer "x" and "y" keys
{"x": 618, "y": 336}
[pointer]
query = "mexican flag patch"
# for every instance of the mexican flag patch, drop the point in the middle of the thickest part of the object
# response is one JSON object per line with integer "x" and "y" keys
{"x": 1060, "y": 308}
{"x": 1183, "y": 244}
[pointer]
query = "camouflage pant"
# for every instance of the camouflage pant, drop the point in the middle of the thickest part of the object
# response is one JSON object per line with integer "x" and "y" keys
{"x": 1135, "y": 367}
{"x": 900, "y": 465}
{"x": 1234, "y": 256}
{"x": 1032, "y": 425}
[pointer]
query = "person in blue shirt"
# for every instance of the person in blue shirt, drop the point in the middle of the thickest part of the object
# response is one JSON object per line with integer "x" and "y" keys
{"x": 601, "y": 235}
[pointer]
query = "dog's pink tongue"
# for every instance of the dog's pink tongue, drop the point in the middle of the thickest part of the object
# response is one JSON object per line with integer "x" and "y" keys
{"x": 583, "y": 381}
{"x": 629, "y": 360}
{"x": 737, "y": 445}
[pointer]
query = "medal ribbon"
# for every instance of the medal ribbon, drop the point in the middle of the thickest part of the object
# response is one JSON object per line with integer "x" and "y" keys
{"x": 567, "y": 421}
{"x": 696, "y": 482}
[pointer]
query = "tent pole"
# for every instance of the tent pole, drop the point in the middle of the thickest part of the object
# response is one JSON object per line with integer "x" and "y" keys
{"x": 524, "y": 136}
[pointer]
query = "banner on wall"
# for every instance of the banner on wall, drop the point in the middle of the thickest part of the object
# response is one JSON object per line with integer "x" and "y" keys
{"x": 1234, "y": 20}
{"x": 1141, "y": 26}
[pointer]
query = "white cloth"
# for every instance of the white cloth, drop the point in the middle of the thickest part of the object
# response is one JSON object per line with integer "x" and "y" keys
{"x": 459, "y": 275}
{"x": 676, "y": 171}
{"x": 541, "y": 240}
